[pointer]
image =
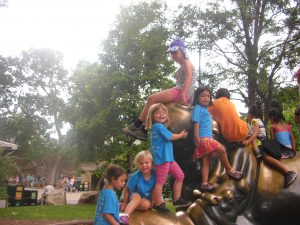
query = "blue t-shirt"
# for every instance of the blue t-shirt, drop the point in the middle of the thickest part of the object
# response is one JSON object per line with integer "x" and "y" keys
{"x": 137, "y": 184}
{"x": 201, "y": 116}
{"x": 161, "y": 144}
{"x": 107, "y": 203}
{"x": 284, "y": 138}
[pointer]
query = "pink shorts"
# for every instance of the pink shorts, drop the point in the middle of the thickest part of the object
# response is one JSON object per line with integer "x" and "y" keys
{"x": 164, "y": 169}
{"x": 176, "y": 94}
{"x": 206, "y": 146}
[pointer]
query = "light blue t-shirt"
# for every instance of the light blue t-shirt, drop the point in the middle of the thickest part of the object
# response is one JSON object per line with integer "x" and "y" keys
{"x": 137, "y": 184}
{"x": 284, "y": 138}
{"x": 107, "y": 203}
{"x": 201, "y": 116}
{"x": 161, "y": 144}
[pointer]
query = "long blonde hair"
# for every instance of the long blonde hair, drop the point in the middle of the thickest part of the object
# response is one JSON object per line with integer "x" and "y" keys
{"x": 152, "y": 110}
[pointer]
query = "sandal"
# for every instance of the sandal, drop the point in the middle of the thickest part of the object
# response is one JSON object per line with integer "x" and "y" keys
{"x": 235, "y": 174}
{"x": 207, "y": 188}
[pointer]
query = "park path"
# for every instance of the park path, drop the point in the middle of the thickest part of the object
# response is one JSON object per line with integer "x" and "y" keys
{"x": 72, "y": 198}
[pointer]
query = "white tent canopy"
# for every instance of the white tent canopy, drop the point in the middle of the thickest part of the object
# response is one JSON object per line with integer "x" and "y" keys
{"x": 8, "y": 146}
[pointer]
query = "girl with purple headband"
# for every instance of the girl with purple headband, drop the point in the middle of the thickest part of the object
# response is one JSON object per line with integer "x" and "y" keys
{"x": 182, "y": 92}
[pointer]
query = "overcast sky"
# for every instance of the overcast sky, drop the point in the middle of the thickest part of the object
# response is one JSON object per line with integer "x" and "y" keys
{"x": 74, "y": 27}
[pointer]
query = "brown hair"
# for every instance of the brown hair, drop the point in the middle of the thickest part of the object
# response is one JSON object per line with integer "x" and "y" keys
{"x": 112, "y": 172}
{"x": 152, "y": 110}
{"x": 197, "y": 93}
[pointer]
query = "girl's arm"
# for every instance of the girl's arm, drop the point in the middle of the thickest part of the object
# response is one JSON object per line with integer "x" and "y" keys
{"x": 196, "y": 133}
{"x": 110, "y": 219}
{"x": 253, "y": 136}
{"x": 182, "y": 134}
{"x": 125, "y": 198}
{"x": 188, "y": 70}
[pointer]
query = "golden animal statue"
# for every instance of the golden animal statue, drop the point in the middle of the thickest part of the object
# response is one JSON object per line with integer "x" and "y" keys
{"x": 257, "y": 199}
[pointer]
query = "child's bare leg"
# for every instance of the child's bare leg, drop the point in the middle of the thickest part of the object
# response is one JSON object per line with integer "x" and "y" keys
{"x": 205, "y": 169}
{"x": 156, "y": 194}
{"x": 275, "y": 163}
{"x": 177, "y": 189}
{"x": 144, "y": 204}
{"x": 160, "y": 97}
{"x": 223, "y": 157}
{"x": 135, "y": 201}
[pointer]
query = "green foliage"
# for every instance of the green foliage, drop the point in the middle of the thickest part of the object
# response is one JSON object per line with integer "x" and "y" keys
{"x": 10, "y": 81}
{"x": 3, "y": 193}
{"x": 108, "y": 96}
{"x": 8, "y": 167}
{"x": 249, "y": 43}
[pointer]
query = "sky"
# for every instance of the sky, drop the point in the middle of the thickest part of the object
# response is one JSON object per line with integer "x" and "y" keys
{"x": 73, "y": 27}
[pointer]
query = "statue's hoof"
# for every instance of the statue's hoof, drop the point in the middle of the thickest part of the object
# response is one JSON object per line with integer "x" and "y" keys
{"x": 210, "y": 198}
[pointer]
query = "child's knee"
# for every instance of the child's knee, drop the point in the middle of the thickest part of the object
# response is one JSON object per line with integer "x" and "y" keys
{"x": 180, "y": 177}
{"x": 145, "y": 204}
{"x": 221, "y": 150}
{"x": 136, "y": 196}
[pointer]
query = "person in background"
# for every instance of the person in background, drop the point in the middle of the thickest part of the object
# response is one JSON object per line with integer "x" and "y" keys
{"x": 182, "y": 93}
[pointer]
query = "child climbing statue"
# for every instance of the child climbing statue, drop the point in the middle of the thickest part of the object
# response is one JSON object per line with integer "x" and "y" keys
{"x": 181, "y": 93}
{"x": 206, "y": 146}
{"x": 162, "y": 150}
{"x": 265, "y": 148}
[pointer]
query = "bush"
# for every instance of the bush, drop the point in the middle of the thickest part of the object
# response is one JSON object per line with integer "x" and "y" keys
{"x": 8, "y": 167}
{"x": 3, "y": 192}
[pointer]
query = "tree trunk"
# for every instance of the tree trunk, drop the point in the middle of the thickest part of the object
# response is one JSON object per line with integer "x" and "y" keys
{"x": 52, "y": 168}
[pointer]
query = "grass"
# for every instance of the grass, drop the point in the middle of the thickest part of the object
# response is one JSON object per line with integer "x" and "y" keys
{"x": 43, "y": 212}
{"x": 64, "y": 212}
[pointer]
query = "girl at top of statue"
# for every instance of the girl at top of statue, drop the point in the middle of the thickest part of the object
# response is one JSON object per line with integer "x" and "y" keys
{"x": 181, "y": 93}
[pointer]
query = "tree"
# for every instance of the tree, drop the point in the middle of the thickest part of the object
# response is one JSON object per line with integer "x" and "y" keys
{"x": 47, "y": 89}
{"x": 293, "y": 21}
{"x": 109, "y": 95}
{"x": 10, "y": 82}
{"x": 8, "y": 167}
{"x": 251, "y": 37}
